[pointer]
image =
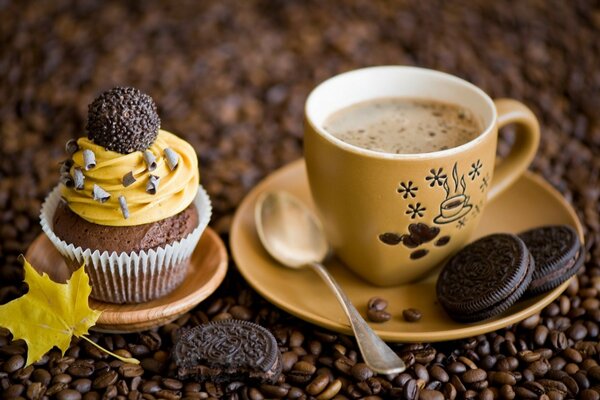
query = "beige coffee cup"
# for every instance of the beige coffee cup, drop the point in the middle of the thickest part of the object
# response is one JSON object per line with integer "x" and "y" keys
{"x": 391, "y": 218}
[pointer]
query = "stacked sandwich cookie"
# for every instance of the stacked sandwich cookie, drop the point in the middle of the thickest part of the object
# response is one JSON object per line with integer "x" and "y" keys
{"x": 489, "y": 275}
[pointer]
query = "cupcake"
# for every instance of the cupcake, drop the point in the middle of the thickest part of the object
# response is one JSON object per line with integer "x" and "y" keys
{"x": 129, "y": 204}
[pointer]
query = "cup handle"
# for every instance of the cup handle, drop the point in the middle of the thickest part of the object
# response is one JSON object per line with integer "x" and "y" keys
{"x": 527, "y": 139}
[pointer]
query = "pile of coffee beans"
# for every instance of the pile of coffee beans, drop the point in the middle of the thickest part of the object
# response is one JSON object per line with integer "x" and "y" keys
{"x": 231, "y": 78}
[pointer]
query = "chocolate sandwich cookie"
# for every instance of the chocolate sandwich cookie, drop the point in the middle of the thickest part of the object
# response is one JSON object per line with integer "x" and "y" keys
{"x": 485, "y": 278}
{"x": 227, "y": 351}
{"x": 558, "y": 255}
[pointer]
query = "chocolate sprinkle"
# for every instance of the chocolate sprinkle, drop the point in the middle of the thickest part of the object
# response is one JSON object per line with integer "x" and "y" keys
{"x": 67, "y": 180}
{"x": 150, "y": 160}
{"x": 71, "y": 146}
{"x": 89, "y": 159}
{"x": 78, "y": 178}
{"x": 152, "y": 185}
{"x": 65, "y": 166}
{"x": 123, "y": 119}
{"x": 100, "y": 194}
{"x": 124, "y": 209}
{"x": 172, "y": 158}
{"x": 128, "y": 179}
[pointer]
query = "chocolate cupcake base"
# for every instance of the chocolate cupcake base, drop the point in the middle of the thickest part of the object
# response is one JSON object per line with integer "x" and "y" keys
{"x": 133, "y": 276}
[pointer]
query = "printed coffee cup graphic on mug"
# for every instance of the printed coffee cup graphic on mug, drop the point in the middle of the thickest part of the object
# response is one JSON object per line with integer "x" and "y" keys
{"x": 401, "y": 162}
{"x": 456, "y": 204}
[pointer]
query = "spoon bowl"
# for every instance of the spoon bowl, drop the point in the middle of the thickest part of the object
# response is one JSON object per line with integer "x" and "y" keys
{"x": 292, "y": 235}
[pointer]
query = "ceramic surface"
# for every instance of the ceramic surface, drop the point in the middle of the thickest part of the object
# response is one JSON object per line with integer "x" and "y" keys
{"x": 208, "y": 266}
{"x": 528, "y": 203}
{"x": 390, "y": 217}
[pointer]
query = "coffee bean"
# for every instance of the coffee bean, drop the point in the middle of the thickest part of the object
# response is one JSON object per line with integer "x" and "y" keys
{"x": 438, "y": 373}
{"x": 104, "y": 380}
{"x": 68, "y": 394}
{"x": 411, "y": 315}
{"x": 62, "y": 378}
{"x": 13, "y": 363}
{"x": 41, "y": 375}
{"x": 589, "y": 394}
{"x": 424, "y": 355}
{"x": 172, "y": 384}
{"x": 361, "y": 372}
{"x": 377, "y": 304}
{"x": 556, "y": 395}
{"x": 474, "y": 375}
{"x": 378, "y": 316}
{"x": 430, "y": 395}
{"x": 535, "y": 387}
{"x": 594, "y": 373}
{"x": 272, "y": 391}
{"x": 55, "y": 388}
{"x": 540, "y": 335}
{"x": 131, "y": 370}
{"x": 81, "y": 370}
{"x": 581, "y": 379}
{"x": 318, "y": 385}
{"x": 531, "y": 322}
{"x": 344, "y": 364}
{"x": 524, "y": 393}
{"x": 502, "y": 378}
{"x": 331, "y": 390}
{"x": 449, "y": 391}
{"x": 468, "y": 362}
{"x": 35, "y": 390}
{"x": 540, "y": 367}
{"x": 457, "y": 383}
{"x": 82, "y": 385}
{"x": 571, "y": 384}
{"x": 92, "y": 396}
{"x": 411, "y": 390}
{"x": 288, "y": 359}
{"x": 571, "y": 368}
{"x": 507, "y": 392}
{"x": 558, "y": 340}
{"x": 457, "y": 368}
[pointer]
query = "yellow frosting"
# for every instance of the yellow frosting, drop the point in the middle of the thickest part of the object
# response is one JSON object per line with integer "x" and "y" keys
{"x": 176, "y": 189}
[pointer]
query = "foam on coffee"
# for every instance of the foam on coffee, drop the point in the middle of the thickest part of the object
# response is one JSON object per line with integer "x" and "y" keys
{"x": 404, "y": 125}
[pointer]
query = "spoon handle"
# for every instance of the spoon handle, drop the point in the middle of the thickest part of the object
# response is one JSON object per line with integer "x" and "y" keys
{"x": 376, "y": 354}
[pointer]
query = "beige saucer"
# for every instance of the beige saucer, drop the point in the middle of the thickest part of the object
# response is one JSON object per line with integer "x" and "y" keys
{"x": 528, "y": 203}
{"x": 208, "y": 266}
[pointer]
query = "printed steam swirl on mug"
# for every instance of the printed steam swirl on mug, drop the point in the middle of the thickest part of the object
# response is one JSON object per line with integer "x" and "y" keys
{"x": 456, "y": 203}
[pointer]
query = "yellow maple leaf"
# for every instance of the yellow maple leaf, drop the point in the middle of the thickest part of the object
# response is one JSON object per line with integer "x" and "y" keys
{"x": 50, "y": 313}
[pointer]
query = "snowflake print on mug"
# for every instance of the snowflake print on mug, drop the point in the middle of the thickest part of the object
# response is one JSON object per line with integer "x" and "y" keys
{"x": 415, "y": 210}
{"x": 475, "y": 170}
{"x": 436, "y": 178}
{"x": 407, "y": 189}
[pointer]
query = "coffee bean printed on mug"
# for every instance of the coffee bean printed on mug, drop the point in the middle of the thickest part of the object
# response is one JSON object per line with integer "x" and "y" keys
{"x": 418, "y": 234}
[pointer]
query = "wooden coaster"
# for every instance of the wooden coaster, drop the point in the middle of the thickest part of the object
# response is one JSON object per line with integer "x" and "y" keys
{"x": 208, "y": 266}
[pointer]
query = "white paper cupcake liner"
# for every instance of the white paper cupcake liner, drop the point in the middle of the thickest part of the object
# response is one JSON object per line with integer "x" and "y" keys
{"x": 133, "y": 277}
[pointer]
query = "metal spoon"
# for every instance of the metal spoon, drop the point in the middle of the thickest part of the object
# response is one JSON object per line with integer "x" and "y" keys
{"x": 295, "y": 238}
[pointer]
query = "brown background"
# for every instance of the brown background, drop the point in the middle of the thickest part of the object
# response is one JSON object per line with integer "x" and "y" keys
{"x": 231, "y": 77}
